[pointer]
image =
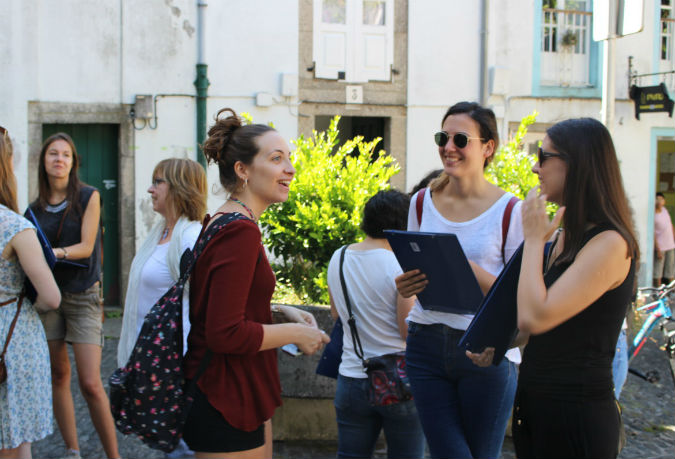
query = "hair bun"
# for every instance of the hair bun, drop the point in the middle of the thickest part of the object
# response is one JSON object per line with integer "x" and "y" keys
{"x": 215, "y": 146}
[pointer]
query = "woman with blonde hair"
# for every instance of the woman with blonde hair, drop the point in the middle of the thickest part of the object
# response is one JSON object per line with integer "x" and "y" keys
{"x": 25, "y": 394}
{"x": 178, "y": 193}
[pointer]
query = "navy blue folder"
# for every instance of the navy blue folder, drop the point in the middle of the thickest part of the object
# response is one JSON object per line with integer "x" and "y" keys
{"x": 452, "y": 285}
{"x": 496, "y": 322}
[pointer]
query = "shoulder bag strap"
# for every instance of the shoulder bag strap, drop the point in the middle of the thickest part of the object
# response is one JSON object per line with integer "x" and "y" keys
{"x": 506, "y": 222}
{"x": 11, "y": 327}
{"x": 419, "y": 205}
{"x": 358, "y": 348}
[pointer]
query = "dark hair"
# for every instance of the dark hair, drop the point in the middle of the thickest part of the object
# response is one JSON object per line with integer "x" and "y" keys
{"x": 426, "y": 180}
{"x": 660, "y": 194}
{"x": 230, "y": 141}
{"x": 487, "y": 123}
{"x": 593, "y": 191}
{"x": 385, "y": 210}
{"x": 74, "y": 184}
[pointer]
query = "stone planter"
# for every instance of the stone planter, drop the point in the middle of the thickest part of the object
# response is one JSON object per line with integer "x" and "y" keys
{"x": 307, "y": 412}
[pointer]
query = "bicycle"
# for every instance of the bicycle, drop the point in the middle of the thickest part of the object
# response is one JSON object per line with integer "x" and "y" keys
{"x": 661, "y": 314}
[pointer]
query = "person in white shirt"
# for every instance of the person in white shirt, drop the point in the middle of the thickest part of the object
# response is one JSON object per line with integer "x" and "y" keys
{"x": 464, "y": 409}
{"x": 178, "y": 192}
{"x": 370, "y": 268}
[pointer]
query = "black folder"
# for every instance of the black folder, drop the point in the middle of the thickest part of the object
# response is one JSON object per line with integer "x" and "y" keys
{"x": 496, "y": 322}
{"x": 452, "y": 285}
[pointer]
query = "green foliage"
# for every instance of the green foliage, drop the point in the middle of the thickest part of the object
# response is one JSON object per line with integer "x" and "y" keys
{"x": 324, "y": 207}
{"x": 511, "y": 169}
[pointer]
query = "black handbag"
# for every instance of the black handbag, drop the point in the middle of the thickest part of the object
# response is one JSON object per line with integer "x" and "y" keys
{"x": 387, "y": 375}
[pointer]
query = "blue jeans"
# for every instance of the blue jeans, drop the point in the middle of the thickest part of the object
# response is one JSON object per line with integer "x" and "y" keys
{"x": 359, "y": 423}
{"x": 620, "y": 364}
{"x": 464, "y": 409}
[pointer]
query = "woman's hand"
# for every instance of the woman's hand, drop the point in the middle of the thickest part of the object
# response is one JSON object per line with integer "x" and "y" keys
{"x": 411, "y": 283}
{"x": 536, "y": 224}
{"x": 483, "y": 359}
{"x": 309, "y": 339}
{"x": 298, "y": 315}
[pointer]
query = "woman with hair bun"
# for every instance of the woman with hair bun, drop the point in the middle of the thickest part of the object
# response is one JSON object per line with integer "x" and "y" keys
{"x": 464, "y": 409}
{"x": 230, "y": 295}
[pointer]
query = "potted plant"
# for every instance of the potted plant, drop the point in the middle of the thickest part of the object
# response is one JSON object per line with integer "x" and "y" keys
{"x": 569, "y": 39}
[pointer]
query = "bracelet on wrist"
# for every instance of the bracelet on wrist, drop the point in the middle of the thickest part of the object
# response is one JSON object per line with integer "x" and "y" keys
{"x": 65, "y": 253}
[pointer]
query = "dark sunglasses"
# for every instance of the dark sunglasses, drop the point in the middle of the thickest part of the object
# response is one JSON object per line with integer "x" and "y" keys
{"x": 460, "y": 139}
{"x": 544, "y": 155}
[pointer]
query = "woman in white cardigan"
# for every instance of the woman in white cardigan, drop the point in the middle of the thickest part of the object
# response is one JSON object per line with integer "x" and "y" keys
{"x": 178, "y": 192}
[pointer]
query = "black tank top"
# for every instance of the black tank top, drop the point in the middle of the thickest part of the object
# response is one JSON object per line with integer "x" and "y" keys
{"x": 573, "y": 361}
{"x": 70, "y": 278}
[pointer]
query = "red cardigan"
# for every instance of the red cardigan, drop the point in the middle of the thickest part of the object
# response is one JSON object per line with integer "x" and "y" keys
{"x": 230, "y": 293}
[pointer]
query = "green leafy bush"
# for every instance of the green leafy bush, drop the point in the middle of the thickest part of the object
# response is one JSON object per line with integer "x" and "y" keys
{"x": 511, "y": 169}
{"x": 324, "y": 206}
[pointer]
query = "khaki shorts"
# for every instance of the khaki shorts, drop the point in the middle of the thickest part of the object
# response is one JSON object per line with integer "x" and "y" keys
{"x": 79, "y": 318}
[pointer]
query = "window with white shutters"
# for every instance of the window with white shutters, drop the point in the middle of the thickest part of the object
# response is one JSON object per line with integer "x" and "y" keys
{"x": 353, "y": 39}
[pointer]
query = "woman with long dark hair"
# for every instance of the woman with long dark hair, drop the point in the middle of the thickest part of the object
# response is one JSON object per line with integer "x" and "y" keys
{"x": 69, "y": 213}
{"x": 573, "y": 301}
{"x": 25, "y": 394}
{"x": 464, "y": 409}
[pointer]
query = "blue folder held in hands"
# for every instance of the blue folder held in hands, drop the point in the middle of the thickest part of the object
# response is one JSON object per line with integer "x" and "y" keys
{"x": 496, "y": 322}
{"x": 452, "y": 285}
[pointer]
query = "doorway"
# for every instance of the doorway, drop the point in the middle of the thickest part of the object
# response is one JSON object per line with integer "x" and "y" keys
{"x": 97, "y": 147}
{"x": 370, "y": 127}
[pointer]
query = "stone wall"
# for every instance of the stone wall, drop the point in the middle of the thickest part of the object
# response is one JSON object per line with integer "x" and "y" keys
{"x": 307, "y": 412}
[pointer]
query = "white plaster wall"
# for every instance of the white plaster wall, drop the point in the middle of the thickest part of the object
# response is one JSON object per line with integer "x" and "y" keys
{"x": 110, "y": 50}
{"x": 443, "y": 68}
{"x": 510, "y": 42}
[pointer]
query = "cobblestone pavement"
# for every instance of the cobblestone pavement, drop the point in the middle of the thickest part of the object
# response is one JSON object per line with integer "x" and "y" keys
{"x": 649, "y": 416}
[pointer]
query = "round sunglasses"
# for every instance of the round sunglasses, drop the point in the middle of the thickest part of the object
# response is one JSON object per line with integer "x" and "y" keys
{"x": 544, "y": 155}
{"x": 460, "y": 139}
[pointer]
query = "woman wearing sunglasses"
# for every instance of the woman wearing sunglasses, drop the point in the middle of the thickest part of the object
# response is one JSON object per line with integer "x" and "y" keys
{"x": 574, "y": 301}
{"x": 464, "y": 409}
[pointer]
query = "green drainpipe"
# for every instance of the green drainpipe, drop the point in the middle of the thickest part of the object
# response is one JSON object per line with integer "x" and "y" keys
{"x": 202, "y": 85}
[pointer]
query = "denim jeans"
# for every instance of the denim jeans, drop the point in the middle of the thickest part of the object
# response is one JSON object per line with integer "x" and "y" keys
{"x": 464, "y": 409}
{"x": 620, "y": 364}
{"x": 359, "y": 423}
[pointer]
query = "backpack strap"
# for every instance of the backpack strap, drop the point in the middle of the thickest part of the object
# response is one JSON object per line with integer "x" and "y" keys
{"x": 506, "y": 222}
{"x": 419, "y": 205}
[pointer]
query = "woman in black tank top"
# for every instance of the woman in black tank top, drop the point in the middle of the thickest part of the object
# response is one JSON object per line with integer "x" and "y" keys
{"x": 68, "y": 211}
{"x": 573, "y": 300}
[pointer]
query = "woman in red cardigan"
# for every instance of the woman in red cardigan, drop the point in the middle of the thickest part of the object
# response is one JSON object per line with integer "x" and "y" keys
{"x": 230, "y": 293}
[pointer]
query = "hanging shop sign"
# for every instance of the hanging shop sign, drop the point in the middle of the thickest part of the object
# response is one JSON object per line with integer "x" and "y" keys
{"x": 650, "y": 99}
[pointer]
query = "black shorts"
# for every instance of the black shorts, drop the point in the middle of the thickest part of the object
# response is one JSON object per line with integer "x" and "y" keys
{"x": 206, "y": 431}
